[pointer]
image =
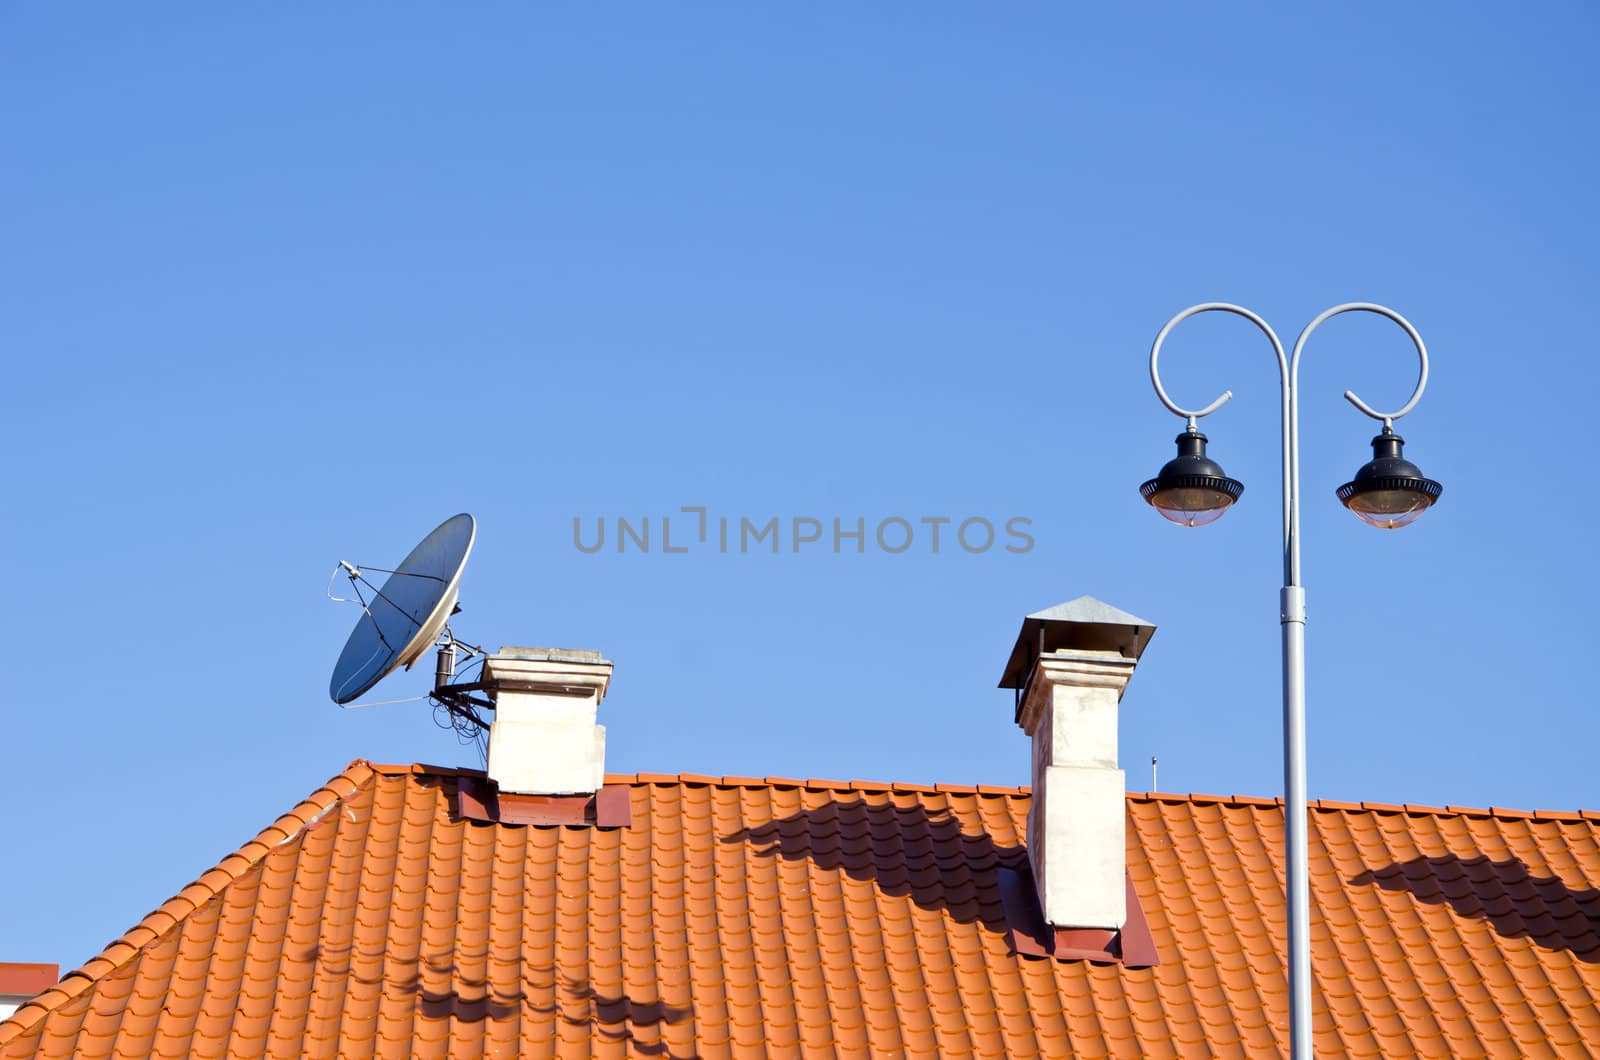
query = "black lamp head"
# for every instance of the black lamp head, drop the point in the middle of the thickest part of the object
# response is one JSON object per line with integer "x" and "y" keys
{"x": 1192, "y": 489}
{"x": 1389, "y": 491}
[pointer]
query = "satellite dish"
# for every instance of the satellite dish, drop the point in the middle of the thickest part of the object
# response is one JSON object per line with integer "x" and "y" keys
{"x": 407, "y": 612}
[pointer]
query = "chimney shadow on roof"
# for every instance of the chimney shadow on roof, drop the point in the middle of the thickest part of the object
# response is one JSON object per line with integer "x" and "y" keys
{"x": 904, "y": 851}
{"x": 1515, "y": 902}
{"x": 609, "y": 1018}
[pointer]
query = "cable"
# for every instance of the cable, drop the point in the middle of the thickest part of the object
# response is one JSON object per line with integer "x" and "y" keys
{"x": 380, "y": 703}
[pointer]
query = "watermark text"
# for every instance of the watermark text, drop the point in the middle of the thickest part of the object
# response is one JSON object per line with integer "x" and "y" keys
{"x": 695, "y": 528}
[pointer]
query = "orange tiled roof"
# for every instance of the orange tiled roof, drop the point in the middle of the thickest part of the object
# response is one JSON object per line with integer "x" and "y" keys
{"x": 744, "y": 916}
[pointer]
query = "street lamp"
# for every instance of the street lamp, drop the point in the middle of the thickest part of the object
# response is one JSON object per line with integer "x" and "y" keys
{"x": 1387, "y": 492}
{"x": 1191, "y": 489}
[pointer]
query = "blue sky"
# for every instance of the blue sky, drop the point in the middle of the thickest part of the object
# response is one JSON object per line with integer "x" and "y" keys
{"x": 283, "y": 287}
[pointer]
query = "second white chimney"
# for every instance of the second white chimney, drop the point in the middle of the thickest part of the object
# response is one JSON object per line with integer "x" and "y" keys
{"x": 544, "y": 740}
{"x": 1069, "y": 667}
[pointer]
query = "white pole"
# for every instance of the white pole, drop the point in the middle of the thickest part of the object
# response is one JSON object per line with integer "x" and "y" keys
{"x": 1293, "y": 617}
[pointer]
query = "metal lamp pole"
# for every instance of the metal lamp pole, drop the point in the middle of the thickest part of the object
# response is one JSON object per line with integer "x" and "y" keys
{"x": 1292, "y": 616}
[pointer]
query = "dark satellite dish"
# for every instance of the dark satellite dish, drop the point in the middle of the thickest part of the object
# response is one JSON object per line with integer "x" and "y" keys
{"x": 407, "y": 612}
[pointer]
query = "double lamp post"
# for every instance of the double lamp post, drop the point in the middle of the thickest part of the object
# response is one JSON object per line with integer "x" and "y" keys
{"x": 1387, "y": 492}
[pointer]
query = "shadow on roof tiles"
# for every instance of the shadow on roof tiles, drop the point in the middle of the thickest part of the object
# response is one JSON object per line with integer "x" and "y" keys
{"x": 904, "y": 851}
{"x": 609, "y": 1018}
{"x": 1516, "y": 903}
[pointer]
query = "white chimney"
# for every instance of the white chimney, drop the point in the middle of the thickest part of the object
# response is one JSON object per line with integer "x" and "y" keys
{"x": 1069, "y": 668}
{"x": 544, "y": 740}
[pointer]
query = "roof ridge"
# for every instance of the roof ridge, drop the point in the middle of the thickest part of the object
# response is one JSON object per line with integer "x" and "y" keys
{"x": 906, "y": 787}
{"x": 814, "y": 784}
{"x": 208, "y": 885}
{"x": 400, "y": 769}
{"x": 1410, "y": 809}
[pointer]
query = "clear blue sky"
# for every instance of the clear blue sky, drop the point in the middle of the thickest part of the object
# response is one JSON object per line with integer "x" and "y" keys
{"x": 280, "y": 287}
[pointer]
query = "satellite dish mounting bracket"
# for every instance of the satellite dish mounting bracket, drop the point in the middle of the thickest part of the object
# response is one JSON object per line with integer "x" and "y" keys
{"x": 453, "y": 696}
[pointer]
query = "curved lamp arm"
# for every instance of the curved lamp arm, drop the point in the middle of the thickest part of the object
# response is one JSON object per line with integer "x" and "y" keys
{"x": 1388, "y": 418}
{"x": 1285, "y": 390}
{"x": 1206, "y": 307}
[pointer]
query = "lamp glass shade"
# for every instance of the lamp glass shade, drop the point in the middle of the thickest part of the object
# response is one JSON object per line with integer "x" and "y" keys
{"x": 1389, "y": 509}
{"x": 1193, "y": 506}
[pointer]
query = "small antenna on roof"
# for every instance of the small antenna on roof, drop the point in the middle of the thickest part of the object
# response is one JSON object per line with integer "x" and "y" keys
{"x": 1153, "y": 785}
{"x": 402, "y": 617}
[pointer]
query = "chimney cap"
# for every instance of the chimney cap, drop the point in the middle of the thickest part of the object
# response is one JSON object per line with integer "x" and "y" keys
{"x": 582, "y": 655}
{"x": 1086, "y": 624}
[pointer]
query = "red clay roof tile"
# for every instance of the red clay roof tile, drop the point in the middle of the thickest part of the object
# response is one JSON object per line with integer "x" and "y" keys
{"x": 787, "y": 916}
